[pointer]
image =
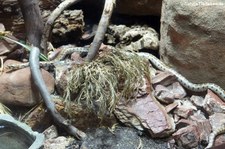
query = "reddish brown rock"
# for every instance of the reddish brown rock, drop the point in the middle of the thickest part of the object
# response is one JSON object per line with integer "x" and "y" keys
{"x": 213, "y": 104}
{"x": 163, "y": 78}
{"x": 192, "y": 39}
{"x": 183, "y": 111}
{"x": 203, "y": 125}
{"x": 17, "y": 87}
{"x": 170, "y": 93}
{"x": 192, "y": 132}
{"x": 147, "y": 113}
{"x": 217, "y": 120}
{"x": 184, "y": 123}
{"x": 187, "y": 137}
{"x": 164, "y": 95}
{"x": 171, "y": 107}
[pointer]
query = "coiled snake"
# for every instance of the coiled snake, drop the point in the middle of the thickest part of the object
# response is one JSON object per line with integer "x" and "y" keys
{"x": 191, "y": 86}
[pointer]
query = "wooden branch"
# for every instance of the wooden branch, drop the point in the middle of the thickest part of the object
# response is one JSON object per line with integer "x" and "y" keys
{"x": 39, "y": 82}
{"x": 51, "y": 19}
{"x": 33, "y": 21}
{"x": 100, "y": 33}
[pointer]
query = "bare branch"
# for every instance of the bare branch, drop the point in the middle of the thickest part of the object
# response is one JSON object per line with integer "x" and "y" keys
{"x": 38, "y": 80}
{"x": 103, "y": 24}
{"x": 51, "y": 19}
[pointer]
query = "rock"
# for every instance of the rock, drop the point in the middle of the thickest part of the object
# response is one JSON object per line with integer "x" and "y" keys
{"x": 146, "y": 113}
{"x": 17, "y": 87}
{"x": 169, "y": 94}
{"x": 191, "y": 132}
{"x": 51, "y": 132}
{"x": 213, "y": 104}
{"x": 67, "y": 26}
{"x": 197, "y": 100}
{"x": 163, "y": 94}
{"x": 163, "y": 78}
{"x": 135, "y": 37}
{"x": 183, "y": 111}
{"x": 6, "y": 46}
{"x": 203, "y": 125}
{"x": 217, "y": 120}
{"x": 192, "y": 39}
{"x": 171, "y": 107}
{"x": 120, "y": 138}
{"x": 60, "y": 143}
{"x": 187, "y": 137}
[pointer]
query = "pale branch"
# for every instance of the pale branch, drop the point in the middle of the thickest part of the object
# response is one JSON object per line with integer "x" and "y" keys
{"x": 39, "y": 82}
{"x": 102, "y": 27}
{"x": 51, "y": 19}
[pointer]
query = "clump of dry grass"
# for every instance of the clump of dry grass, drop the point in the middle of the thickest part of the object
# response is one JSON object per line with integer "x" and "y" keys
{"x": 101, "y": 83}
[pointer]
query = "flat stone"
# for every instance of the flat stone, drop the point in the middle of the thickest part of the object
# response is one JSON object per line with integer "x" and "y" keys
{"x": 150, "y": 115}
{"x": 171, "y": 107}
{"x": 170, "y": 93}
{"x": 163, "y": 78}
{"x": 213, "y": 104}
{"x": 183, "y": 111}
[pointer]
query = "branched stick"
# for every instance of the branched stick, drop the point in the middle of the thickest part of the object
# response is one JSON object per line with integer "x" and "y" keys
{"x": 103, "y": 24}
{"x": 51, "y": 19}
{"x": 38, "y": 80}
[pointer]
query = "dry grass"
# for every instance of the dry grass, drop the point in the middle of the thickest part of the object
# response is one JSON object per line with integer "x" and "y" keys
{"x": 101, "y": 83}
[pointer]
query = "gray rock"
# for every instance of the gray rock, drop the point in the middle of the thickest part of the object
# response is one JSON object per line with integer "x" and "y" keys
{"x": 121, "y": 138}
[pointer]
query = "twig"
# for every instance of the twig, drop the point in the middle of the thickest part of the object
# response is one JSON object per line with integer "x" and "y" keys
{"x": 51, "y": 19}
{"x": 103, "y": 24}
{"x": 38, "y": 80}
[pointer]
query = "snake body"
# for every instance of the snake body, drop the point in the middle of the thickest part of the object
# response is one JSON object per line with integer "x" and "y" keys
{"x": 58, "y": 56}
{"x": 187, "y": 84}
{"x": 191, "y": 86}
{"x": 213, "y": 135}
{"x": 55, "y": 57}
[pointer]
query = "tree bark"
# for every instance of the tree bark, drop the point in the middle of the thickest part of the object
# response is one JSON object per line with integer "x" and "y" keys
{"x": 33, "y": 21}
